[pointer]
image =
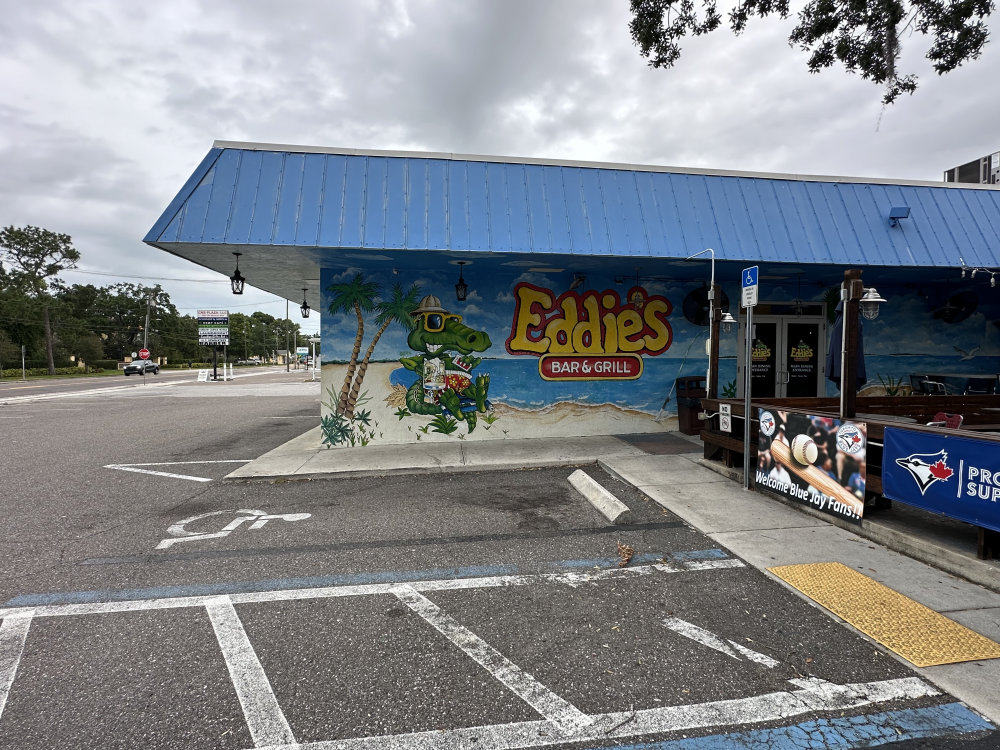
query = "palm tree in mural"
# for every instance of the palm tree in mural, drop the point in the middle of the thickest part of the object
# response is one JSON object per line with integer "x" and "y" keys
{"x": 398, "y": 309}
{"x": 357, "y": 295}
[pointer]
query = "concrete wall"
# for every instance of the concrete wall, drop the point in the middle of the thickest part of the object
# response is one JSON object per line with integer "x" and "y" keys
{"x": 526, "y": 356}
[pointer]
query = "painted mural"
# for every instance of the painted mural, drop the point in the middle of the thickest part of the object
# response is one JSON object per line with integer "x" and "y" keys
{"x": 539, "y": 352}
{"x": 404, "y": 361}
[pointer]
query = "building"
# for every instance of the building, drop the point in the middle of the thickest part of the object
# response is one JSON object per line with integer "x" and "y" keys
{"x": 985, "y": 171}
{"x": 475, "y": 297}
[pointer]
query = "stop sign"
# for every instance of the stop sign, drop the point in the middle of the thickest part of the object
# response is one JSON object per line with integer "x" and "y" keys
{"x": 144, "y": 354}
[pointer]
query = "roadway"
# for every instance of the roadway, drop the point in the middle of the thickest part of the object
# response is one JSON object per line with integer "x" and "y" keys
{"x": 147, "y": 603}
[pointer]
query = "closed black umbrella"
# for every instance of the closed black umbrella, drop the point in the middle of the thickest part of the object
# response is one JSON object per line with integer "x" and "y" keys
{"x": 833, "y": 352}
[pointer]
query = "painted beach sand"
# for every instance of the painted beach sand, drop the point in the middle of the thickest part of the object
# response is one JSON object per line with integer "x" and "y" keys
{"x": 382, "y": 403}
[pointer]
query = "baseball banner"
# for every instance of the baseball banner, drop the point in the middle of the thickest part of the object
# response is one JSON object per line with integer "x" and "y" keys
{"x": 956, "y": 476}
{"x": 814, "y": 460}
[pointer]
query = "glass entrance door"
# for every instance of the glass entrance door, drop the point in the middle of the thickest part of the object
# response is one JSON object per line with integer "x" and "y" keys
{"x": 787, "y": 356}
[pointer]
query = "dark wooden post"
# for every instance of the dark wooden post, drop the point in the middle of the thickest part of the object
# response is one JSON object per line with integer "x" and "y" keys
{"x": 712, "y": 387}
{"x": 849, "y": 336}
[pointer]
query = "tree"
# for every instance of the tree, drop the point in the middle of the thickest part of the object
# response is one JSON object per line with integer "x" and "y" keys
{"x": 357, "y": 295}
{"x": 34, "y": 256}
{"x": 863, "y": 35}
{"x": 397, "y": 309}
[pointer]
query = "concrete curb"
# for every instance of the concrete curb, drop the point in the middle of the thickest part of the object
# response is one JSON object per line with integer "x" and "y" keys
{"x": 924, "y": 550}
{"x": 609, "y": 506}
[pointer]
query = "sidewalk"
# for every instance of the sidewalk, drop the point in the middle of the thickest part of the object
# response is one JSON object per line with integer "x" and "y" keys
{"x": 922, "y": 556}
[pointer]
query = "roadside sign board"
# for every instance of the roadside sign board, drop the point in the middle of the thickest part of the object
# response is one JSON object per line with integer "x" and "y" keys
{"x": 213, "y": 327}
{"x": 302, "y": 350}
{"x": 144, "y": 354}
{"x": 749, "y": 298}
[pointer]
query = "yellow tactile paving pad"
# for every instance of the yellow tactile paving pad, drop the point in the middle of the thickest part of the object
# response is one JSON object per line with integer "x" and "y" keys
{"x": 918, "y": 634}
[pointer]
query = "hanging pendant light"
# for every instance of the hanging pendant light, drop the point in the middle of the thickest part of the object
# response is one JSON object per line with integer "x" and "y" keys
{"x": 461, "y": 288}
{"x": 305, "y": 305}
{"x": 237, "y": 279}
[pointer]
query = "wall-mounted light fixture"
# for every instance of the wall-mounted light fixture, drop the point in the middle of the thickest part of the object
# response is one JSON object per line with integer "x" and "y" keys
{"x": 305, "y": 305}
{"x": 461, "y": 288}
{"x": 728, "y": 322}
{"x": 896, "y": 213}
{"x": 869, "y": 303}
{"x": 237, "y": 279}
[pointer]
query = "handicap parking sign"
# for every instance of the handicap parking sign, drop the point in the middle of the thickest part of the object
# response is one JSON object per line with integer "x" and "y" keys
{"x": 749, "y": 297}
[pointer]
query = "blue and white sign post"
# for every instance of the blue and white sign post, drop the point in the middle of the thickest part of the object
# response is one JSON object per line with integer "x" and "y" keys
{"x": 748, "y": 299}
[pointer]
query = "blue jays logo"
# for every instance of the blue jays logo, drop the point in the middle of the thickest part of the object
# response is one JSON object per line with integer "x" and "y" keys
{"x": 927, "y": 468}
{"x": 767, "y": 423}
{"x": 850, "y": 439}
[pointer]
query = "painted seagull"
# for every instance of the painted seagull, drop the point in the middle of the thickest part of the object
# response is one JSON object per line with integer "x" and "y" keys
{"x": 967, "y": 354}
{"x": 926, "y": 468}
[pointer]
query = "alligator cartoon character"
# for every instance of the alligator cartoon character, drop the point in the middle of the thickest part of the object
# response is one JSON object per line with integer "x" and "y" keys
{"x": 444, "y": 364}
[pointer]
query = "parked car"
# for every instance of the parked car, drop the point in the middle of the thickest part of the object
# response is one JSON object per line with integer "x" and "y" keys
{"x": 141, "y": 367}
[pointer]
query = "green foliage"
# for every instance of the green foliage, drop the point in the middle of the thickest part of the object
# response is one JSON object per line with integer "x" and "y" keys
{"x": 864, "y": 36}
{"x": 337, "y": 429}
{"x": 444, "y": 424}
{"x": 30, "y": 256}
{"x": 729, "y": 389}
{"x": 893, "y": 386}
{"x": 402, "y": 412}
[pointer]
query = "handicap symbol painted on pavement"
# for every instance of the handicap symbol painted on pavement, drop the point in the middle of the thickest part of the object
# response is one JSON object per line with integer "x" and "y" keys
{"x": 256, "y": 518}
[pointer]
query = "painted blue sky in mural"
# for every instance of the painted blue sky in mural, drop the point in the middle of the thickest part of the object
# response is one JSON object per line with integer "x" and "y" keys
{"x": 490, "y": 307}
{"x": 940, "y": 312}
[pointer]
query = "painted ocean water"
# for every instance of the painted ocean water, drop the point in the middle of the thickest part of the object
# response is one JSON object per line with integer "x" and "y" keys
{"x": 515, "y": 381}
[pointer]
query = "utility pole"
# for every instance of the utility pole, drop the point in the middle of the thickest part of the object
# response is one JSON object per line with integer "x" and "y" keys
{"x": 145, "y": 330}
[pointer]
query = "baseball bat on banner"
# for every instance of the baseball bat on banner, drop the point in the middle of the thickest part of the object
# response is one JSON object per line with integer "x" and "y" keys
{"x": 815, "y": 477}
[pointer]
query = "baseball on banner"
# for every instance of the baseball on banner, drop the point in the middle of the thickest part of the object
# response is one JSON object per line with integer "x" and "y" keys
{"x": 804, "y": 450}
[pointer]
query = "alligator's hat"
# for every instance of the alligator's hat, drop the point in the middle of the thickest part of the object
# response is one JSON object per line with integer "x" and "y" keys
{"x": 429, "y": 304}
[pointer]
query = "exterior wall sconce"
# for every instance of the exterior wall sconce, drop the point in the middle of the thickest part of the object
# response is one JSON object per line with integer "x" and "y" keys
{"x": 305, "y": 305}
{"x": 728, "y": 322}
{"x": 237, "y": 279}
{"x": 461, "y": 288}
{"x": 869, "y": 303}
{"x": 896, "y": 213}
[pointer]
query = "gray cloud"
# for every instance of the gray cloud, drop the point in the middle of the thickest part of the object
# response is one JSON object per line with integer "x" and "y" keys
{"x": 109, "y": 105}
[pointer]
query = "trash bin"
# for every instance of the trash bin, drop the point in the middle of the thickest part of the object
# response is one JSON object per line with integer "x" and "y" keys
{"x": 690, "y": 392}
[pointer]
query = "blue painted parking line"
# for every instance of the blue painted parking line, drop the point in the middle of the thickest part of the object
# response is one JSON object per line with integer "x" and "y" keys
{"x": 947, "y": 720}
{"x": 646, "y": 557}
{"x": 351, "y": 579}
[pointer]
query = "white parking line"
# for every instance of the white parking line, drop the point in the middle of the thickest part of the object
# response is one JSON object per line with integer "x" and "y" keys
{"x": 265, "y": 719}
{"x": 562, "y": 713}
{"x": 573, "y": 578}
{"x": 812, "y": 695}
{"x": 710, "y": 639}
{"x": 563, "y": 722}
{"x": 13, "y": 633}
{"x": 135, "y": 468}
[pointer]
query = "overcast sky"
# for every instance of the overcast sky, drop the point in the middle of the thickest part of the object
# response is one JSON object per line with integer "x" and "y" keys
{"x": 109, "y": 106}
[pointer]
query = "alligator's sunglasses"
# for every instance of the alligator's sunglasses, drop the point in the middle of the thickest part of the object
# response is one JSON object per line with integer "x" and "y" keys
{"x": 434, "y": 322}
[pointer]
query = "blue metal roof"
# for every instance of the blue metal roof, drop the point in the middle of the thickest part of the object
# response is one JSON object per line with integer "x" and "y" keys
{"x": 255, "y": 195}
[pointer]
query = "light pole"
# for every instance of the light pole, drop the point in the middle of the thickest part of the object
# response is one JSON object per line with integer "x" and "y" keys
{"x": 712, "y": 376}
{"x": 288, "y": 365}
{"x": 313, "y": 340}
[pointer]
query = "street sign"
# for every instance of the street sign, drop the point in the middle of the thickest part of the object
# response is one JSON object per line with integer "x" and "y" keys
{"x": 749, "y": 298}
{"x": 144, "y": 354}
{"x": 726, "y": 417}
{"x": 213, "y": 327}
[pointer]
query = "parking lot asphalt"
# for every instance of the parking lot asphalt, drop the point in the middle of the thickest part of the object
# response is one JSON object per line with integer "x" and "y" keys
{"x": 159, "y": 600}
{"x": 935, "y": 566}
